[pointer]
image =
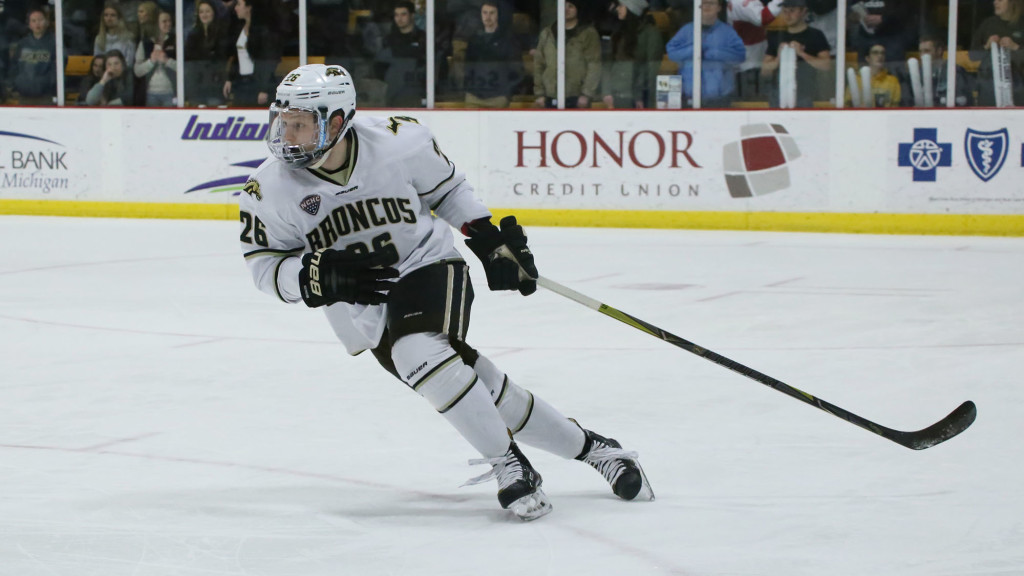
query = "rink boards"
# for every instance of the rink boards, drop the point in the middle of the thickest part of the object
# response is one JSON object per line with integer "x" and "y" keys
{"x": 907, "y": 171}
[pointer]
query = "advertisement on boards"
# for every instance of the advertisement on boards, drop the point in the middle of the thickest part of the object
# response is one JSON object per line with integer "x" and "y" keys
{"x": 655, "y": 161}
{"x": 195, "y": 156}
{"x": 51, "y": 155}
{"x": 963, "y": 163}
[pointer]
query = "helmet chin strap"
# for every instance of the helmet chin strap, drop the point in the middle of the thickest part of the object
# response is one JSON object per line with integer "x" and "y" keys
{"x": 321, "y": 161}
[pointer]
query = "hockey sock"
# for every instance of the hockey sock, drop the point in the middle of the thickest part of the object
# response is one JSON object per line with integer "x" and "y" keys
{"x": 453, "y": 389}
{"x": 532, "y": 421}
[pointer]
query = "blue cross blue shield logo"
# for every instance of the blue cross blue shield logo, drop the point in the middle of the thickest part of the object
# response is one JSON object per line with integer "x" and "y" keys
{"x": 986, "y": 151}
{"x": 925, "y": 154}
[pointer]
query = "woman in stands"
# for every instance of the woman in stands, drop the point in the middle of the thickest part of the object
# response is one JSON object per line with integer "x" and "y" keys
{"x": 254, "y": 57}
{"x": 96, "y": 69}
{"x": 114, "y": 35}
{"x": 115, "y": 87}
{"x": 637, "y": 48}
{"x": 205, "y": 52}
{"x": 155, "y": 64}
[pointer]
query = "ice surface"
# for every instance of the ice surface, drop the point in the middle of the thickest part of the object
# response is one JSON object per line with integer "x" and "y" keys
{"x": 159, "y": 416}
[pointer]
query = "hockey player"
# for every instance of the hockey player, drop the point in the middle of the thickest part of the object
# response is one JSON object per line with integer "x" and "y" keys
{"x": 343, "y": 218}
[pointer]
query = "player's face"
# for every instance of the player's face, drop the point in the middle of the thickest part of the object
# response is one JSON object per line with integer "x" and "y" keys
{"x": 299, "y": 128}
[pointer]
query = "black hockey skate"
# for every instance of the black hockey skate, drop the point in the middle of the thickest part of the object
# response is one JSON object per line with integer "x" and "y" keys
{"x": 518, "y": 484}
{"x": 619, "y": 467}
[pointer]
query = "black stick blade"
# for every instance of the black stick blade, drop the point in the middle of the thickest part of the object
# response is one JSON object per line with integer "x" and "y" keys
{"x": 957, "y": 421}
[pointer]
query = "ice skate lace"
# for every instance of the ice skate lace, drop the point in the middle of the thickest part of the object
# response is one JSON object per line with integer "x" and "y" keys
{"x": 506, "y": 469}
{"x": 609, "y": 461}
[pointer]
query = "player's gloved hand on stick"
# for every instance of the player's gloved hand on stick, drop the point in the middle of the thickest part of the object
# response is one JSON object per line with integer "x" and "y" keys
{"x": 329, "y": 276}
{"x": 507, "y": 259}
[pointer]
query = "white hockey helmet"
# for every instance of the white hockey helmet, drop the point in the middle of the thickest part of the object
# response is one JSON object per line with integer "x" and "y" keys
{"x": 300, "y": 115}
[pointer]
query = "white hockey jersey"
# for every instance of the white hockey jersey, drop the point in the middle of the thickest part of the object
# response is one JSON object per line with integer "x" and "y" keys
{"x": 399, "y": 176}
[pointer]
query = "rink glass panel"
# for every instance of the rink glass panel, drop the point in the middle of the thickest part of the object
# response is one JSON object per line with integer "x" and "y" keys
{"x": 353, "y": 34}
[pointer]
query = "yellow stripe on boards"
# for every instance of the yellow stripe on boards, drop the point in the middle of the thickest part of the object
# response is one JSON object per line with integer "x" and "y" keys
{"x": 950, "y": 224}
{"x": 120, "y": 209}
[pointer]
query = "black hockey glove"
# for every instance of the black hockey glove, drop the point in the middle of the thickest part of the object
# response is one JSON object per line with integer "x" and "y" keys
{"x": 329, "y": 276}
{"x": 507, "y": 259}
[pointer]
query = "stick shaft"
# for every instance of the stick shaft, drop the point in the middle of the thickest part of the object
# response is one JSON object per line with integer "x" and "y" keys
{"x": 950, "y": 426}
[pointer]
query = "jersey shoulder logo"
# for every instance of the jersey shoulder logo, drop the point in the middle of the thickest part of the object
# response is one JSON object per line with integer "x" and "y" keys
{"x": 311, "y": 204}
{"x": 437, "y": 150}
{"x": 252, "y": 188}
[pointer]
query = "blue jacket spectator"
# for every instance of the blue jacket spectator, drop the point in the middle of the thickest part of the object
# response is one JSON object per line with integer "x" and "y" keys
{"x": 722, "y": 51}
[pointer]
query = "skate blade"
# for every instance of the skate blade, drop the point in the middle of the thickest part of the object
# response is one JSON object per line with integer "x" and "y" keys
{"x": 646, "y": 493}
{"x": 531, "y": 506}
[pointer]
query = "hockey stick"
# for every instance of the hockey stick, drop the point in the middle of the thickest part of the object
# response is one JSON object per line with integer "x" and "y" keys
{"x": 957, "y": 421}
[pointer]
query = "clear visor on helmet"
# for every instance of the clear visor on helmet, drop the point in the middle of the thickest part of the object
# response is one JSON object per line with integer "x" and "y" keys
{"x": 299, "y": 136}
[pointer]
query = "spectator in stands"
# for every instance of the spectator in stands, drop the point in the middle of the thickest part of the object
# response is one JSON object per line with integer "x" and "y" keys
{"x": 129, "y": 10}
{"x": 144, "y": 29}
{"x": 722, "y": 51}
{"x": 77, "y": 24}
{"x": 934, "y": 45}
{"x": 155, "y": 63}
{"x": 823, "y": 15}
{"x": 812, "y": 52}
{"x": 114, "y": 34}
{"x": 115, "y": 87}
{"x": 582, "y": 62}
{"x": 96, "y": 69}
{"x": 885, "y": 22}
{"x": 750, "y": 19}
{"x": 405, "y": 58}
{"x": 885, "y": 88}
{"x": 327, "y": 29}
{"x": 254, "y": 58}
{"x": 1004, "y": 28}
{"x": 4, "y": 53}
{"x": 493, "y": 62}
{"x": 146, "y": 25}
{"x": 34, "y": 62}
{"x": 205, "y": 52}
{"x": 637, "y": 48}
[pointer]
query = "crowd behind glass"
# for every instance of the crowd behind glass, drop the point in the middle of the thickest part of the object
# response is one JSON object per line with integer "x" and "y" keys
{"x": 504, "y": 53}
